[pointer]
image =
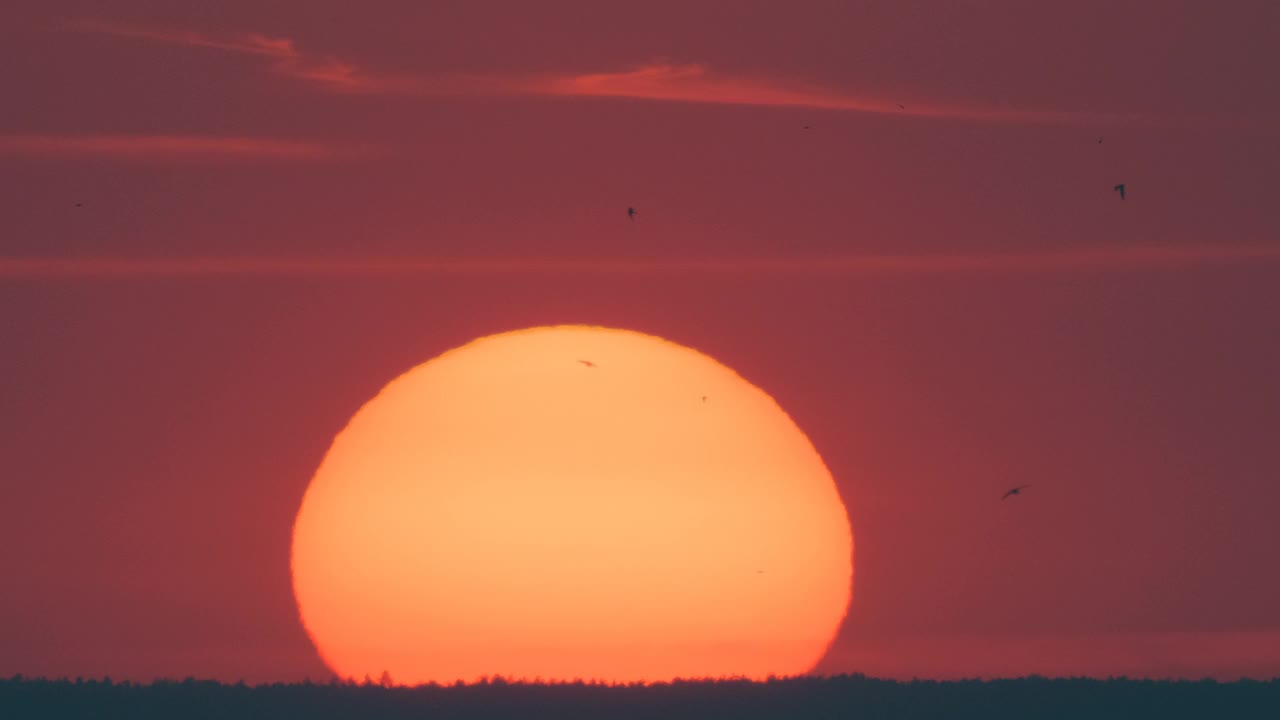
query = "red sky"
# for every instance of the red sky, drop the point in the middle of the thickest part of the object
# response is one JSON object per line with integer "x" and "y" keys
{"x": 283, "y": 206}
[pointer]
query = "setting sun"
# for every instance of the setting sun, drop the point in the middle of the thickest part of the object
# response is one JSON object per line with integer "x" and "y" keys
{"x": 571, "y": 502}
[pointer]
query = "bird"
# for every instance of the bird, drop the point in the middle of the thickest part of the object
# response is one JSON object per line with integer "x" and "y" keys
{"x": 704, "y": 398}
{"x": 1015, "y": 491}
{"x": 808, "y": 127}
{"x": 1099, "y": 141}
{"x": 588, "y": 363}
{"x": 79, "y": 204}
{"x": 901, "y": 106}
{"x": 1120, "y": 189}
{"x": 632, "y": 213}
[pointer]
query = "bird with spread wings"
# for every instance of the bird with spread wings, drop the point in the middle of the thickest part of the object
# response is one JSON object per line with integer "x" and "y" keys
{"x": 1016, "y": 491}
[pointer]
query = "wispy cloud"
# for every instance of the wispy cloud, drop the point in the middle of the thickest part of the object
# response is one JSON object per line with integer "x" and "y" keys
{"x": 245, "y": 43}
{"x": 660, "y": 81}
{"x": 281, "y": 54}
{"x": 170, "y": 147}
{"x": 1066, "y": 261}
{"x": 697, "y": 83}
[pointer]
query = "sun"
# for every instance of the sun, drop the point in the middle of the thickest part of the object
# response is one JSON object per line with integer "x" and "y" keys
{"x": 571, "y": 502}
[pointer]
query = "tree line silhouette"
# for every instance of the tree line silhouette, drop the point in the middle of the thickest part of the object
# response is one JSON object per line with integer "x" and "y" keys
{"x": 802, "y": 698}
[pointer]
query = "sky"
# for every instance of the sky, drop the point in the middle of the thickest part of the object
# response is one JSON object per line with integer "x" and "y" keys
{"x": 225, "y": 227}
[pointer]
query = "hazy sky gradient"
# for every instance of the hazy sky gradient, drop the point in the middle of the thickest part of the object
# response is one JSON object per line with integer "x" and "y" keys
{"x": 948, "y": 297}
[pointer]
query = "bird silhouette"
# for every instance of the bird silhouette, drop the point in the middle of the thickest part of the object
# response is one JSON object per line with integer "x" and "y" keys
{"x": 1015, "y": 491}
{"x": 808, "y": 127}
{"x": 632, "y": 213}
{"x": 704, "y": 398}
{"x": 1099, "y": 140}
{"x": 901, "y": 106}
{"x": 588, "y": 363}
{"x": 1120, "y": 189}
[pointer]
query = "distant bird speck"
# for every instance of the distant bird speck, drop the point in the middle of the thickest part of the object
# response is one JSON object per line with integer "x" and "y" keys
{"x": 704, "y": 398}
{"x": 1120, "y": 189}
{"x": 1099, "y": 141}
{"x": 1016, "y": 491}
{"x": 588, "y": 363}
{"x": 901, "y": 106}
{"x": 808, "y": 127}
{"x": 79, "y": 204}
{"x": 632, "y": 213}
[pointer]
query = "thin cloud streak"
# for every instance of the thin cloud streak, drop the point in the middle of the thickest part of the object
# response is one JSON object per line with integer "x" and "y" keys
{"x": 696, "y": 83}
{"x": 284, "y": 57}
{"x": 245, "y": 43}
{"x": 1089, "y": 260}
{"x": 192, "y": 147}
{"x": 658, "y": 82}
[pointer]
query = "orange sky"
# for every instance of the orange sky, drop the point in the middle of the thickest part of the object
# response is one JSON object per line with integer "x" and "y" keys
{"x": 225, "y": 228}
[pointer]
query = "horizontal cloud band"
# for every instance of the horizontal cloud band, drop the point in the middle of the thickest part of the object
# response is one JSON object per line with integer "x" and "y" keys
{"x": 668, "y": 82}
{"x": 169, "y": 146}
{"x": 1099, "y": 259}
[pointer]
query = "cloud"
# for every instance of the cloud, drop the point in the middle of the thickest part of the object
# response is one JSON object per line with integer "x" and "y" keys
{"x": 665, "y": 82}
{"x": 1066, "y": 261}
{"x": 169, "y": 147}
{"x": 696, "y": 83}
{"x": 245, "y": 44}
{"x": 282, "y": 56}
{"x": 699, "y": 83}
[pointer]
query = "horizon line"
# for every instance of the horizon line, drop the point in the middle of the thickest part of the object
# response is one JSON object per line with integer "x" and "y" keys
{"x": 499, "y": 680}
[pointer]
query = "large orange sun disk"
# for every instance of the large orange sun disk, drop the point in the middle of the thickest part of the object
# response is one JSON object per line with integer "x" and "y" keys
{"x": 506, "y": 509}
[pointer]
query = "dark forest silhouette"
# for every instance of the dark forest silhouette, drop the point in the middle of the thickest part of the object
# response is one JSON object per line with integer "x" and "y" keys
{"x": 846, "y": 696}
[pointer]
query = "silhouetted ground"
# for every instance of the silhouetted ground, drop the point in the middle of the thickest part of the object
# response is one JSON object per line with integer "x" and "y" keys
{"x": 850, "y": 696}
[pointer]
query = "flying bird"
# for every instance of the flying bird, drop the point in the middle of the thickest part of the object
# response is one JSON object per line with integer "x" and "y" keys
{"x": 632, "y": 213}
{"x": 1120, "y": 189}
{"x": 588, "y": 363}
{"x": 1015, "y": 491}
{"x": 704, "y": 398}
{"x": 1099, "y": 141}
{"x": 808, "y": 127}
{"x": 901, "y": 106}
